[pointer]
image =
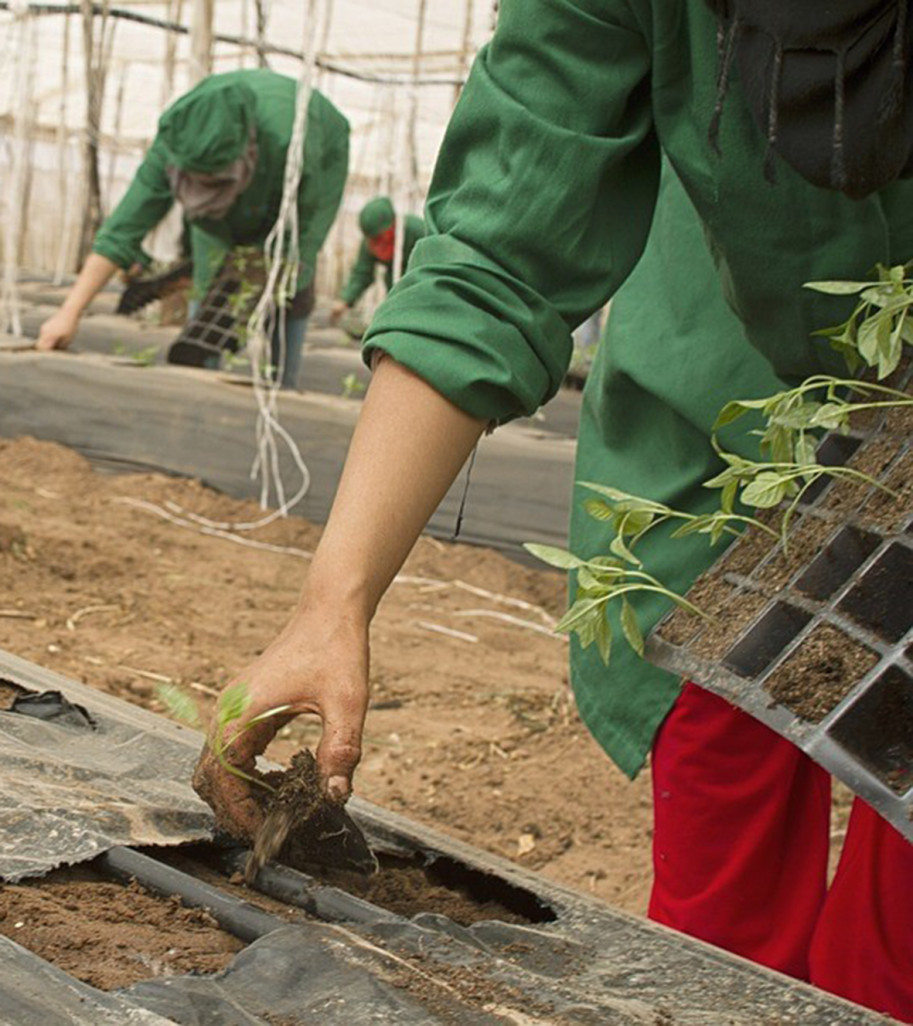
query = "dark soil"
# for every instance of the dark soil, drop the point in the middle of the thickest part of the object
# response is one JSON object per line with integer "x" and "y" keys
{"x": 804, "y": 543}
{"x": 303, "y": 827}
{"x": 109, "y": 935}
{"x": 745, "y": 554}
{"x": 872, "y": 459}
{"x": 408, "y": 890}
{"x": 732, "y": 610}
{"x": 815, "y": 678}
{"x": 883, "y": 510}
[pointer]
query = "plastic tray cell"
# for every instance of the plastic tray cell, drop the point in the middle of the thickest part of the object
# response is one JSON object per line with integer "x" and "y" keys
{"x": 818, "y": 643}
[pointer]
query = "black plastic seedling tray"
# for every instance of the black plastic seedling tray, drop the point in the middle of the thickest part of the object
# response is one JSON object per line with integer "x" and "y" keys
{"x": 835, "y": 606}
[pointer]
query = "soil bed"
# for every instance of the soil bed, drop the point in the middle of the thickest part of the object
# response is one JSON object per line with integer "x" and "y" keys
{"x": 108, "y": 935}
{"x": 813, "y": 680}
{"x": 480, "y": 740}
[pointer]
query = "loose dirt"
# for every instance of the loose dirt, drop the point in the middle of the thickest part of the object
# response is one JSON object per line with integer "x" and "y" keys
{"x": 109, "y": 935}
{"x": 479, "y": 739}
{"x": 813, "y": 680}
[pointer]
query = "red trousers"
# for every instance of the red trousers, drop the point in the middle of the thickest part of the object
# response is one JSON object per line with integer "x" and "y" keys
{"x": 740, "y": 850}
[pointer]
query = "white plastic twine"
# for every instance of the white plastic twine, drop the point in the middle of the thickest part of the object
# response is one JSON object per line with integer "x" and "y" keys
{"x": 21, "y": 62}
{"x": 282, "y": 262}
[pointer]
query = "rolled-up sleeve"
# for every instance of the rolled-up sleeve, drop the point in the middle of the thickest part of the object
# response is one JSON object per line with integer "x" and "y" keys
{"x": 145, "y": 203}
{"x": 539, "y": 207}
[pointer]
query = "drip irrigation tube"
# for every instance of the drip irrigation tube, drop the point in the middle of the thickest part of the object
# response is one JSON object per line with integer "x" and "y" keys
{"x": 245, "y": 921}
{"x": 295, "y": 888}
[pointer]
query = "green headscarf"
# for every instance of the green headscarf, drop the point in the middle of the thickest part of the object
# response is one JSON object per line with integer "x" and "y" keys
{"x": 209, "y": 127}
{"x": 376, "y": 216}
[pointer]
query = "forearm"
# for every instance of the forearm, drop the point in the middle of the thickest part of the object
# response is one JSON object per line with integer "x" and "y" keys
{"x": 408, "y": 447}
{"x": 96, "y": 272}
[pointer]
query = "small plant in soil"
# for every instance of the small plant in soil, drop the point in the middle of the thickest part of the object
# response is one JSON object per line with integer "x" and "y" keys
{"x": 232, "y": 705}
{"x": 301, "y": 826}
{"x": 871, "y": 340}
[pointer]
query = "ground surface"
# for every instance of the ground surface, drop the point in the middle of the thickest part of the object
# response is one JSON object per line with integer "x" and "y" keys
{"x": 478, "y": 738}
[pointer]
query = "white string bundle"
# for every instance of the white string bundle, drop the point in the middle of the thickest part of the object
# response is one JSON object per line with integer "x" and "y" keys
{"x": 282, "y": 263}
{"x": 20, "y": 61}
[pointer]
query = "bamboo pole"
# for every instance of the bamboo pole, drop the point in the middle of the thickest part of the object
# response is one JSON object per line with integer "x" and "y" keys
{"x": 200, "y": 40}
{"x": 464, "y": 48}
{"x": 63, "y": 146}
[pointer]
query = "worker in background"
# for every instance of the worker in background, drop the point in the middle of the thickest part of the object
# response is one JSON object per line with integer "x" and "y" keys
{"x": 726, "y": 153}
{"x": 377, "y": 221}
{"x": 220, "y": 152}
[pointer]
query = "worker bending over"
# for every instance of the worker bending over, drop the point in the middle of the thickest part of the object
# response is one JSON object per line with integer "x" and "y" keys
{"x": 220, "y": 152}
{"x": 377, "y": 221}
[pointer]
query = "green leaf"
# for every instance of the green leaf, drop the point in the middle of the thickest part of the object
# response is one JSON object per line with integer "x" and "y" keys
{"x": 611, "y": 493}
{"x": 728, "y": 496}
{"x": 806, "y": 448}
{"x": 560, "y": 558}
{"x": 599, "y": 509}
{"x": 604, "y": 638}
{"x": 578, "y": 612}
{"x": 766, "y": 490}
{"x": 837, "y": 288}
{"x": 618, "y": 548}
{"x": 830, "y": 416}
{"x": 636, "y": 520}
{"x": 631, "y": 628}
{"x": 735, "y": 409}
{"x": 233, "y": 703}
{"x": 179, "y": 704}
{"x": 867, "y": 343}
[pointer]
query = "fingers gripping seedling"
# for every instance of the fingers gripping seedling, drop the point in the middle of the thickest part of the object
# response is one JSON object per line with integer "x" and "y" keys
{"x": 227, "y": 727}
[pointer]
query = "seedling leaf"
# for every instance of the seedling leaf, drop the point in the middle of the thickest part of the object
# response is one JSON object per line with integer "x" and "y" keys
{"x": 554, "y": 556}
{"x": 631, "y": 627}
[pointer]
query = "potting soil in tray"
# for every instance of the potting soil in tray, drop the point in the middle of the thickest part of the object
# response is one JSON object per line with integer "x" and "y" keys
{"x": 815, "y": 638}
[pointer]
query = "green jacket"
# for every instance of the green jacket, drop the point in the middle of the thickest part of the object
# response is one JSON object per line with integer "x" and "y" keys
{"x": 361, "y": 277}
{"x": 545, "y": 194}
{"x": 250, "y": 219}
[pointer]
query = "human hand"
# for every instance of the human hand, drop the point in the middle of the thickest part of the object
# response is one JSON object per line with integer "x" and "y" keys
{"x": 57, "y": 331}
{"x": 318, "y": 664}
{"x": 338, "y": 310}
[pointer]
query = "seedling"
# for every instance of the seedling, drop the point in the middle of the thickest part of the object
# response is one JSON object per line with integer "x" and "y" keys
{"x": 872, "y": 338}
{"x": 352, "y": 386}
{"x": 232, "y": 705}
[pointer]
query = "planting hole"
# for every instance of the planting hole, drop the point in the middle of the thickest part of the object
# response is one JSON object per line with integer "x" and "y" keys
{"x": 766, "y": 640}
{"x": 882, "y": 600}
{"x": 878, "y": 729}
{"x": 845, "y": 554}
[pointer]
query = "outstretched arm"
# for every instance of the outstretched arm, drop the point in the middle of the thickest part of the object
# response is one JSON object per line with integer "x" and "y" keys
{"x": 408, "y": 447}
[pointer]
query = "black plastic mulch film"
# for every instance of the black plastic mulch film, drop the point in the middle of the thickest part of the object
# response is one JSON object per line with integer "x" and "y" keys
{"x": 856, "y": 582}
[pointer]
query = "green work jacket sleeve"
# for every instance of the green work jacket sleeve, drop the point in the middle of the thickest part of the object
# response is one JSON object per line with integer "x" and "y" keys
{"x": 326, "y": 157}
{"x": 145, "y": 203}
{"x": 539, "y": 207}
{"x": 361, "y": 277}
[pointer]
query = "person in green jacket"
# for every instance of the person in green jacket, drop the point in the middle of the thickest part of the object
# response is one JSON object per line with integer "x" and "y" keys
{"x": 220, "y": 152}
{"x": 377, "y": 221}
{"x": 699, "y": 162}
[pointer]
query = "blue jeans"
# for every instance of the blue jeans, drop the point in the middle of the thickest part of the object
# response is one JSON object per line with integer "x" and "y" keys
{"x": 295, "y": 330}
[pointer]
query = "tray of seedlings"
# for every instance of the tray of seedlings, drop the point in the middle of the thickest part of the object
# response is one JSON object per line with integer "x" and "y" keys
{"x": 806, "y": 621}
